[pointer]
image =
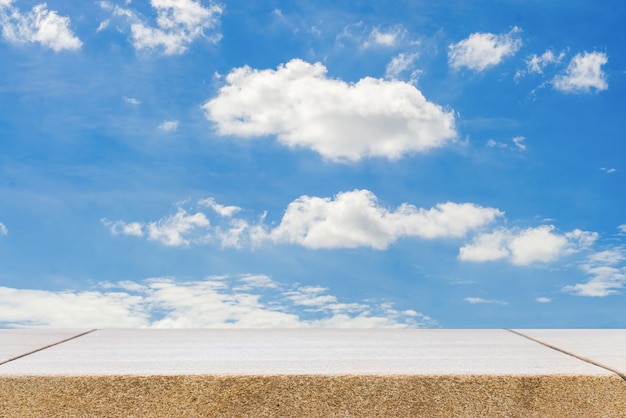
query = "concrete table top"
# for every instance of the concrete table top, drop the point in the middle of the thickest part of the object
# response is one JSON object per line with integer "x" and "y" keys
{"x": 298, "y": 351}
{"x": 19, "y": 342}
{"x": 605, "y": 347}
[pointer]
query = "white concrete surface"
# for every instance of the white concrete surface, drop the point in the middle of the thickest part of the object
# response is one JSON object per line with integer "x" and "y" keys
{"x": 602, "y": 346}
{"x": 17, "y": 342}
{"x": 297, "y": 351}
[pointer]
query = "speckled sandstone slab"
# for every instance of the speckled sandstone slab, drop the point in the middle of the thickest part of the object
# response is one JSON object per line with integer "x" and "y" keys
{"x": 307, "y": 373}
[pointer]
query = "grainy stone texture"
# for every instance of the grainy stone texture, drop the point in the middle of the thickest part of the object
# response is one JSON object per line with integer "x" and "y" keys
{"x": 312, "y": 396}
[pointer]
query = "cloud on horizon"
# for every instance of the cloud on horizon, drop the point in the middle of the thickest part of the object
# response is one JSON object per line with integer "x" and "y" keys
{"x": 244, "y": 301}
{"x": 341, "y": 121}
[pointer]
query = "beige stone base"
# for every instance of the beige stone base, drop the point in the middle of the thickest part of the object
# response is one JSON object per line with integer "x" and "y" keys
{"x": 312, "y": 396}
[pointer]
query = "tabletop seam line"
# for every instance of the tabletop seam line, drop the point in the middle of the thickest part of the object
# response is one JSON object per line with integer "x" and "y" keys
{"x": 585, "y": 359}
{"x": 47, "y": 346}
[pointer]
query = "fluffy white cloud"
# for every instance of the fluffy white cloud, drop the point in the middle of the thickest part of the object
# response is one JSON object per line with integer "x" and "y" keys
{"x": 474, "y": 300}
{"x": 622, "y": 228}
{"x": 39, "y": 25}
{"x": 606, "y": 271}
{"x": 355, "y": 219}
{"x": 169, "y": 125}
{"x": 543, "y": 300}
{"x": 3, "y": 229}
{"x": 341, "y": 121}
{"x": 583, "y": 74}
{"x": 526, "y": 246}
{"x": 178, "y": 24}
{"x": 483, "y": 50}
{"x": 248, "y": 301}
{"x": 348, "y": 220}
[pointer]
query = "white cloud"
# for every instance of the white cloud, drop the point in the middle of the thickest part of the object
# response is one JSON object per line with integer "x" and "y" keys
{"x": 543, "y": 300}
{"x": 341, "y": 121}
{"x": 371, "y": 37}
{"x": 348, "y": 220}
{"x": 103, "y": 25}
{"x": 178, "y": 24}
{"x": 215, "y": 302}
{"x": 132, "y": 101}
{"x": 606, "y": 271}
{"x": 222, "y": 210}
{"x": 39, "y": 25}
{"x": 608, "y": 170}
{"x": 120, "y": 227}
{"x": 3, "y": 229}
{"x": 355, "y": 219}
{"x": 473, "y": 300}
{"x": 483, "y": 50}
{"x": 526, "y": 246}
{"x": 388, "y": 38}
{"x": 583, "y": 74}
{"x": 402, "y": 63}
{"x": 622, "y": 228}
{"x": 169, "y": 125}
{"x": 176, "y": 230}
{"x": 519, "y": 143}
{"x": 536, "y": 64}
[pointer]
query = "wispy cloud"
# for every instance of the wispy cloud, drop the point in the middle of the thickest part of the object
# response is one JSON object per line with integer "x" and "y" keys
{"x": 347, "y": 220}
{"x": 608, "y": 170}
{"x": 606, "y": 273}
{"x": 403, "y": 63}
{"x": 474, "y": 300}
{"x": 342, "y": 121}
{"x": 518, "y": 143}
{"x": 39, "y": 25}
{"x": 543, "y": 299}
{"x": 388, "y": 37}
{"x": 178, "y": 24}
{"x": 244, "y": 301}
{"x": 540, "y": 244}
{"x": 132, "y": 101}
{"x": 169, "y": 125}
{"x": 3, "y": 229}
{"x": 483, "y": 50}
{"x": 583, "y": 74}
{"x": 372, "y": 37}
{"x": 535, "y": 64}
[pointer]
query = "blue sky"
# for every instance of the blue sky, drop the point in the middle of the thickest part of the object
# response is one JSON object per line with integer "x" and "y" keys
{"x": 186, "y": 163}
